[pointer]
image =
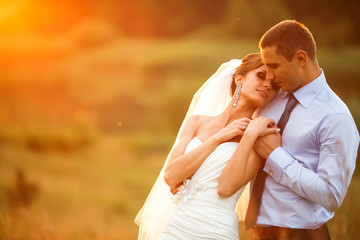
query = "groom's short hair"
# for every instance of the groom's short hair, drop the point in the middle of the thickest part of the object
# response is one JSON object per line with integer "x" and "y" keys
{"x": 289, "y": 36}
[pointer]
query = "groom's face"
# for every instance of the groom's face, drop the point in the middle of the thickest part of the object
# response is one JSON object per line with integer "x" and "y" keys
{"x": 282, "y": 72}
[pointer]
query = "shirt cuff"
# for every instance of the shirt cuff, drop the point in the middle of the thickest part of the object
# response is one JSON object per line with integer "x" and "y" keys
{"x": 276, "y": 163}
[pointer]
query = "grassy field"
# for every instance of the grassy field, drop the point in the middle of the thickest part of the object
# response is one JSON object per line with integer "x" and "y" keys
{"x": 84, "y": 132}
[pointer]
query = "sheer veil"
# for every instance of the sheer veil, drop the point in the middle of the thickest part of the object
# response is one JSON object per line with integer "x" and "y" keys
{"x": 211, "y": 99}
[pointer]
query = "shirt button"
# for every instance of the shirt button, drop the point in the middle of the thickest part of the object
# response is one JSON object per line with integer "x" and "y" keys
{"x": 271, "y": 173}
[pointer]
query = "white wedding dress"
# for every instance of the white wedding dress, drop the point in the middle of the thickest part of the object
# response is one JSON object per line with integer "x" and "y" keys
{"x": 199, "y": 212}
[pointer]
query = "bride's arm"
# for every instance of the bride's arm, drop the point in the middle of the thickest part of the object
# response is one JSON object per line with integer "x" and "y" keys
{"x": 245, "y": 163}
{"x": 181, "y": 166}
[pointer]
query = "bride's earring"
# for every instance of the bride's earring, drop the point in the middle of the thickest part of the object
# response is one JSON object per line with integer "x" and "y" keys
{"x": 237, "y": 96}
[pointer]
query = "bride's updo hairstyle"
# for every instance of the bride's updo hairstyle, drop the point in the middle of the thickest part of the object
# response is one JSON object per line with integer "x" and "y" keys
{"x": 250, "y": 62}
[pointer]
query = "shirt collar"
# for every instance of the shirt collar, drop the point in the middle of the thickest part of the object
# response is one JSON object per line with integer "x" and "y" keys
{"x": 308, "y": 93}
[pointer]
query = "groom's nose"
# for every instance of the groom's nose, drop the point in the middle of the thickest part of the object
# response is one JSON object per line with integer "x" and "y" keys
{"x": 270, "y": 76}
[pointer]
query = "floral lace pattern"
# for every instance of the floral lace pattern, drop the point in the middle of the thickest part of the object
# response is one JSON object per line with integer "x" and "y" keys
{"x": 188, "y": 190}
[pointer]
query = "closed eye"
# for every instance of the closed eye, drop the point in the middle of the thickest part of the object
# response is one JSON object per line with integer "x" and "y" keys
{"x": 261, "y": 75}
{"x": 272, "y": 66}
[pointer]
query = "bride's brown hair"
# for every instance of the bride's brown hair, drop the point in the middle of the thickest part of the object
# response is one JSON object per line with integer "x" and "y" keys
{"x": 250, "y": 62}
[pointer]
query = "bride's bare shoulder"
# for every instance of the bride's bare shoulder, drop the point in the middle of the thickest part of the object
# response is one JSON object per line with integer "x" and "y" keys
{"x": 199, "y": 124}
{"x": 201, "y": 120}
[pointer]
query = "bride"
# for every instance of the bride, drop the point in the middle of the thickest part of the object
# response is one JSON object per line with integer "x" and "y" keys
{"x": 212, "y": 159}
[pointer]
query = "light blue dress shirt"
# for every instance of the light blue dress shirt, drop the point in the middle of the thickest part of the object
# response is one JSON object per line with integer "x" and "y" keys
{"x": 310, "y": 173}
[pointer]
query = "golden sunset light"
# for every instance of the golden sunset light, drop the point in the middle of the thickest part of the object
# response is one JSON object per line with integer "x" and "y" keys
{"x": 93, "y": 93}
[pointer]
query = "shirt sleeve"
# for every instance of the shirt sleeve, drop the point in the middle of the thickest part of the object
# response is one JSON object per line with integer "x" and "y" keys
{"x": 338, "y": 141}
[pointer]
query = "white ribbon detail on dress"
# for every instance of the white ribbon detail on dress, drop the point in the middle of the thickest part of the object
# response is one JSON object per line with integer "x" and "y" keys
{"x": 189, "y": 189}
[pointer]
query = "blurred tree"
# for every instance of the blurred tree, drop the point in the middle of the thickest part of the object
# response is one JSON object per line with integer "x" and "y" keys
{"x": 333, "y": 23}
{"x": 148, "y": 18}
{"x": 23, "y": 193}
{"x": 92, "y": 33}
{"x": 251, "y": 18}
{"x": 336, "y": 19}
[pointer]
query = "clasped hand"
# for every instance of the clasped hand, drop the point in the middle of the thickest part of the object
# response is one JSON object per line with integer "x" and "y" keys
{"x": 258, "y": 127}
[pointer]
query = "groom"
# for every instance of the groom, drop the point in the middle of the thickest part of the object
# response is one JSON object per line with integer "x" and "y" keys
{"x": 309, "y": 165}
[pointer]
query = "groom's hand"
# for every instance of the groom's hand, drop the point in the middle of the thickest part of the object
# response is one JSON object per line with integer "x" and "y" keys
{"x": 266, "y": 144}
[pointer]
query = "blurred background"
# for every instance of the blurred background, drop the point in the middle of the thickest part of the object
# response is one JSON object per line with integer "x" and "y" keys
{"x": 92, "y": 94}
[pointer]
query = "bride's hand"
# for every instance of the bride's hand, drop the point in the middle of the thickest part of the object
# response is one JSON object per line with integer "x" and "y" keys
{"x": 262, "y": 126}
{"x": 174, "y": 189}
{"x": 236, "y": 128}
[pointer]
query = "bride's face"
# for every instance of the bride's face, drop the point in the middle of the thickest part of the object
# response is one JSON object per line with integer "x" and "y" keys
{"x": 256, "y": 88}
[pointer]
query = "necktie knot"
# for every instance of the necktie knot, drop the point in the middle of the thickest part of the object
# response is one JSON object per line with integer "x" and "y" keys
{"x": 291, "y": 102}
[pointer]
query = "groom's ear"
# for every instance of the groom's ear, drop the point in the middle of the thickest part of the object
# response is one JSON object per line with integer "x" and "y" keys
{"x": 300, "y": 57}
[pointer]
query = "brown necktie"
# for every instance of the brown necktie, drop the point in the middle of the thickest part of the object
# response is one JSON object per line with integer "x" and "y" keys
{"x": 256, "y": 195}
